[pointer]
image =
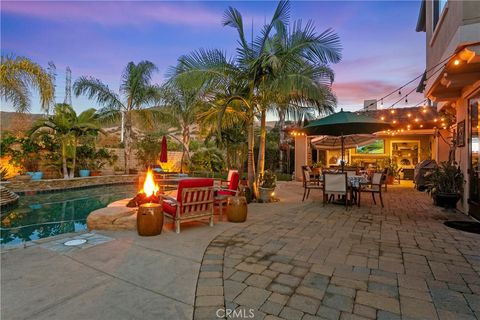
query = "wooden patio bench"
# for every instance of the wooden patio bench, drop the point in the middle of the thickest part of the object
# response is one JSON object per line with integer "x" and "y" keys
{"x": 194, "y": 201}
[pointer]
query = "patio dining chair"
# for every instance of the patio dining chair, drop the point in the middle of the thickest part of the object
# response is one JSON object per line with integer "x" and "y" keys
{"x": 374, "y": 187}
{"x": 335, "y": 184}
{"x": 309, "y": 183}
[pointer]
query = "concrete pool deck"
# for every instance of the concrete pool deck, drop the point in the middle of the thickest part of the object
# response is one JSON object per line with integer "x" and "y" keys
{"x": 290, "y": 260}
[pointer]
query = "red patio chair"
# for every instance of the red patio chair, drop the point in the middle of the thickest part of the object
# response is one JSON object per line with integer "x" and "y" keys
{"x": 194, "y": 201}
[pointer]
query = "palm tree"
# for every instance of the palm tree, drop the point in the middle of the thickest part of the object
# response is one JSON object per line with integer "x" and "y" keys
{"x": 181, "y": 106}
{"x": 279, "y": 69}
{"x": 136, "y": 94}
{"x": 17, "y": 76}
{"x": 68, "y": 128}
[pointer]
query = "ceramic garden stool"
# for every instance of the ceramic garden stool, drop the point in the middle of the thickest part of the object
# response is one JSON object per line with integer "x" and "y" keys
{"x": 149, "y": 219}
{"x": 237, "y": 209}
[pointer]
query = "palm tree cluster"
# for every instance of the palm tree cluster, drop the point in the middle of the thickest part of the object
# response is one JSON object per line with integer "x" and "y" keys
{"x": 68, "y": 128}
{"x": 284, "y": 70}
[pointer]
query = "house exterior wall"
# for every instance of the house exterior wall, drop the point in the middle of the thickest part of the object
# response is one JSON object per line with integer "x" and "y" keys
{"x": 458, "y": 24}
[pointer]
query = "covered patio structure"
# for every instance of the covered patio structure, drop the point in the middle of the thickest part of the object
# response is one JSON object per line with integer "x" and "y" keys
{"x": 417, "y": 135}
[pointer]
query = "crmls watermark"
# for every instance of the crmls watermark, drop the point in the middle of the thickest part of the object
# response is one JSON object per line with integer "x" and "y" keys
{"x": 235, "y": 314}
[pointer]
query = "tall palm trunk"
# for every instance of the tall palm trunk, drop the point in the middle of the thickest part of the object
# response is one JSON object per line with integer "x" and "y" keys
{"x": 250, "y": 156}
{"x": 127, "y": 142}
{"x": 64, "y": 159}
{"x": 186, "y": 146}
{"x": 281, "y": 125}
{"x": 263, "y": 141}
{"x": 74, "y": 161}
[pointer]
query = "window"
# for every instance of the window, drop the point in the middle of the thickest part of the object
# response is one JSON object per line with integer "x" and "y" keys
{"x": 438, "y": 6}
{"x": 377, "y": 147}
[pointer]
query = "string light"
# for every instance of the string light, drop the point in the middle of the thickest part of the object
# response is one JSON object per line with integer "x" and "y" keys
{"x": 382, "y": 118}
{"x": 414, "y": 79}
{"x": 409, "y": 115}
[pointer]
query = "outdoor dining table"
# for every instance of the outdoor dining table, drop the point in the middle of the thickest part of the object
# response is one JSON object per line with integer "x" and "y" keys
{"x": 354, "y": 183}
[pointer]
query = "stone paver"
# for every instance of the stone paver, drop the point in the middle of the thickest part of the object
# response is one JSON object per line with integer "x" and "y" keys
{"x": 365, "y": 263}
{"x": 289, "y": 260}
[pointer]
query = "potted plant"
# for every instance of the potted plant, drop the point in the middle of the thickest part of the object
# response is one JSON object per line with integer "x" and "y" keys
{"x": 392, "y": 168}
{"x": 445, "y": 184}
{"x": 317, "y": 167}
{"x": 84, "y": 158}
{"x": 99, "y": 159}
{"x": 268, "y": 182}
{"x": 26, "y": 155}
{"x": 32, "y": 166}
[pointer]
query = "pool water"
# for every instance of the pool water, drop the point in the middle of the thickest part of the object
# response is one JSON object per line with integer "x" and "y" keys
{"x": 49, "y": 214}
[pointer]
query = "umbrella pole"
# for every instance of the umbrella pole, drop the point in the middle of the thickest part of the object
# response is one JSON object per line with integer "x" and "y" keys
{"x": 343, "y": 151}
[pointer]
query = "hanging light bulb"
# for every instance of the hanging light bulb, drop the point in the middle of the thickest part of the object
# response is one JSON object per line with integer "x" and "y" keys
{"x": 406, "y": 100}
{"x": 399, "y": 92}
{"x": 381, "y": 103}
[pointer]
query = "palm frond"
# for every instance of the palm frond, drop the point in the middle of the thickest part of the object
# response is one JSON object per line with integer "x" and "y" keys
{"x": 100, "y": 92}
{"x": 17, "y": 75}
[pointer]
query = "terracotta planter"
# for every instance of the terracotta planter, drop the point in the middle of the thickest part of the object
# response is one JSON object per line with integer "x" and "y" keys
{"x": 237, "y": 209}
{"x": 390, "y": 179}
{"x": 95, "y": 173}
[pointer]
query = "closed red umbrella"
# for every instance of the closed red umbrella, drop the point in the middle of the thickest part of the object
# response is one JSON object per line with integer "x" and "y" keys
{"x": 163, "y": 152}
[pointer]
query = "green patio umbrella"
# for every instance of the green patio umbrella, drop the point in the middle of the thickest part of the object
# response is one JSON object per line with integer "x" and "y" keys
{"x": 345, "y": 123}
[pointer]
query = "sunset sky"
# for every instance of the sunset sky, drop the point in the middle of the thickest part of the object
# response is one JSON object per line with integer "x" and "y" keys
{"x": 381, "y": 49}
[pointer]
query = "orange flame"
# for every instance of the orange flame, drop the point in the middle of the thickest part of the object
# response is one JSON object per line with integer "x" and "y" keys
{"x": 149, "y": 186}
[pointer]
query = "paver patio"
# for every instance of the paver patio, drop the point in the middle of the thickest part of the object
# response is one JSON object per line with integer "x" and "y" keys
{"x": 290, "y": 260}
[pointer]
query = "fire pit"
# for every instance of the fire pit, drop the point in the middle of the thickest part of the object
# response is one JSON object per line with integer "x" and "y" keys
{"x": 149, "y": 194}
{"x": 124, "y": 215}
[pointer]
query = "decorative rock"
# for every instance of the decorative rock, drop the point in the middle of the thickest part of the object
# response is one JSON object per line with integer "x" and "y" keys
{"x": 113, "y": 218}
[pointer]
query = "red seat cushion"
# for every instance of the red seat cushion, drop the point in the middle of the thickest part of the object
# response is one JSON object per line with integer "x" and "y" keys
{"x": 234, "y": 179}
{"x": 192, "y": 183}
{"x": 169, "y": 207}
{"x": 225, "y": 193}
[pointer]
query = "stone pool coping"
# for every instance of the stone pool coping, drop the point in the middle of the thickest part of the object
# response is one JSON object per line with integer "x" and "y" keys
{"x": 55, "y": 185}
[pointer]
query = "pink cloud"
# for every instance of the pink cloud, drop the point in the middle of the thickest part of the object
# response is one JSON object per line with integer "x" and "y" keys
{"x": 355, "y": 92}
{"x": 115, "y": 13}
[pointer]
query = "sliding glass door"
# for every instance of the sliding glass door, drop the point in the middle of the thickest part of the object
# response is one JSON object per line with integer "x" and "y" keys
{"x": 474, "y": 168}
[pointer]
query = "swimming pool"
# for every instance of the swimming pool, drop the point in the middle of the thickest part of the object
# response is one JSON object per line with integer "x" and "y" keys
{"x": 49, "y": 214}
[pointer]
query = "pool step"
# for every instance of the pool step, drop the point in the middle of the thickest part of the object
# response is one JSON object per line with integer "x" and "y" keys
{"x": 7, "y": 197}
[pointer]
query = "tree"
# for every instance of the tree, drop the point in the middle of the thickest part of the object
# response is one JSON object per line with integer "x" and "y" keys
{"x": 279, "y": 69}
{"x": 181, "y": 107}
{"x": 68, "y": 128}
{"x": 136, "y": 94}
{"x": 17, "y": 76}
